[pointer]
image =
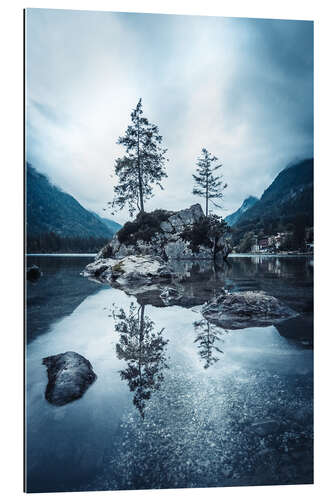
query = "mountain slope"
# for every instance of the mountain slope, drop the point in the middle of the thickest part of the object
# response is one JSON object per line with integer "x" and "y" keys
{"x": 111, "y": 224}
{"x": 233, "y": 218}
{"x": 289, "y": 198}
{"x": 50, "y": 210}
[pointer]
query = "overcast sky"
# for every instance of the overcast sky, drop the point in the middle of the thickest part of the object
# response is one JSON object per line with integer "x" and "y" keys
{"x": 242, "y": 88}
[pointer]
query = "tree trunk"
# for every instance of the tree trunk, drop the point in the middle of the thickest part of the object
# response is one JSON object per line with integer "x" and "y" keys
{"x": 141, "y": 329}
{"x": 206, "y": 195}
{"x": 142, "y": 209}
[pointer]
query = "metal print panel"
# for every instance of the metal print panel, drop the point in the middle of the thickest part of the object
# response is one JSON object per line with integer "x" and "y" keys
{"x": 169, "y": 251}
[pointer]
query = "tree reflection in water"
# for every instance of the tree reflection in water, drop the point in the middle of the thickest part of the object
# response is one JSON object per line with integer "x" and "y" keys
{"x": 143, "y": 349}
{"x": 207, "y": 335}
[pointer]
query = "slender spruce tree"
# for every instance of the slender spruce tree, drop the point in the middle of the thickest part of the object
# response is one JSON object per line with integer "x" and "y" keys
{"x": 142, "y": 166}
{"x": 206, "y": 184}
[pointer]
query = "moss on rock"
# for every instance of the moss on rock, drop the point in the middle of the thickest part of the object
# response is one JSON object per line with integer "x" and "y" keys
{"x": 144, "y": 227}
{"x": 118, "y": 268}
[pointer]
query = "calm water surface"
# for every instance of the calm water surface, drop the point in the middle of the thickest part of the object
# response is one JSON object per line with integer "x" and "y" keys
{"x": 177, "y": 402}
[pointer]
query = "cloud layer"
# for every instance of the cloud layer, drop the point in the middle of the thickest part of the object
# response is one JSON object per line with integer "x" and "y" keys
{"x": 242, "y": 88}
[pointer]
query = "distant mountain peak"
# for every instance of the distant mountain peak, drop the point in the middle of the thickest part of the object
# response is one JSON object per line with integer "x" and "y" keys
{"x": 249, "y": 198}
{"x": 233, "y": 218}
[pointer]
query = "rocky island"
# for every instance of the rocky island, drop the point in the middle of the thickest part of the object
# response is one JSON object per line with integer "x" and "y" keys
{"x": 186, "y": 234}
{"x": 145, "y": 249}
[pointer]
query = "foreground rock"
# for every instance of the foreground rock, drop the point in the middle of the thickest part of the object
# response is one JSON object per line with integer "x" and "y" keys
{"x": 183, "y": 282}
{"x": 170, "y": 235}
{"x": 246, "y": 309}
{"x": 133, "y": 270}
{"x": 70, "y": 375}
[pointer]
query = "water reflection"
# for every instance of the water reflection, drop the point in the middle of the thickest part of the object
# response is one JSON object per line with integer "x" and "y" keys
{"x": 244, "y": 420}
{"x": 298, "y": 329}
{"x": 288, "y": 279}
{"x": 190, "y": 269}
{"x": 143, "y": 348}
{"x": 207, "y": 338}
{"x": 58, "y": 293}
{"x": 284, "y": 267}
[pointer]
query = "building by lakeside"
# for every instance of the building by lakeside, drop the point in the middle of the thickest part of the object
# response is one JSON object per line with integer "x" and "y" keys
{"x": 279, "y": 242}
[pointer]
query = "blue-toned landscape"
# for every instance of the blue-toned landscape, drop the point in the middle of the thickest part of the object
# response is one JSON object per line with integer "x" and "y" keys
{"x": 169, "y": 251}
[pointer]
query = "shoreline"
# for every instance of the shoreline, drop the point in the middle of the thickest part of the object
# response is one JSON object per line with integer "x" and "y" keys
{"x": 271, "y": 255}
{"x": 60, "y": 254}
{"x": 231, "y": 255}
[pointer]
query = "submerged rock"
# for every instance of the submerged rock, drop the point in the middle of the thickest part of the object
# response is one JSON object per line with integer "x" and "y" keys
{"x": 33, "y": 273}
{"x": 246, "y": 309}
{"x": 265, "y": 427}
{"x": 171, "y": 295}
{"x": 70, "y": 375}
{"x": 161, "y": 233}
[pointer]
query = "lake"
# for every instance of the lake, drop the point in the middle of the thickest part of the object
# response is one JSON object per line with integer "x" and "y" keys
{"x": 178, "y": 402}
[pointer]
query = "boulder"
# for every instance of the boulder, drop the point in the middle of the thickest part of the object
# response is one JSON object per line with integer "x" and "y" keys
{"x": 245, "y": 309}
{"x": 130, "y": 270}
{"x": 33, "y": 273}
{"x": 70, "y": 375}
{"x": 159, "y": 234}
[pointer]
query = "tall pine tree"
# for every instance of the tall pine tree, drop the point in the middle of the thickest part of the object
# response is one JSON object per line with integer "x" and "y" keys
{"x": 143, "y": 164}
{"x": 207, "y": 185}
